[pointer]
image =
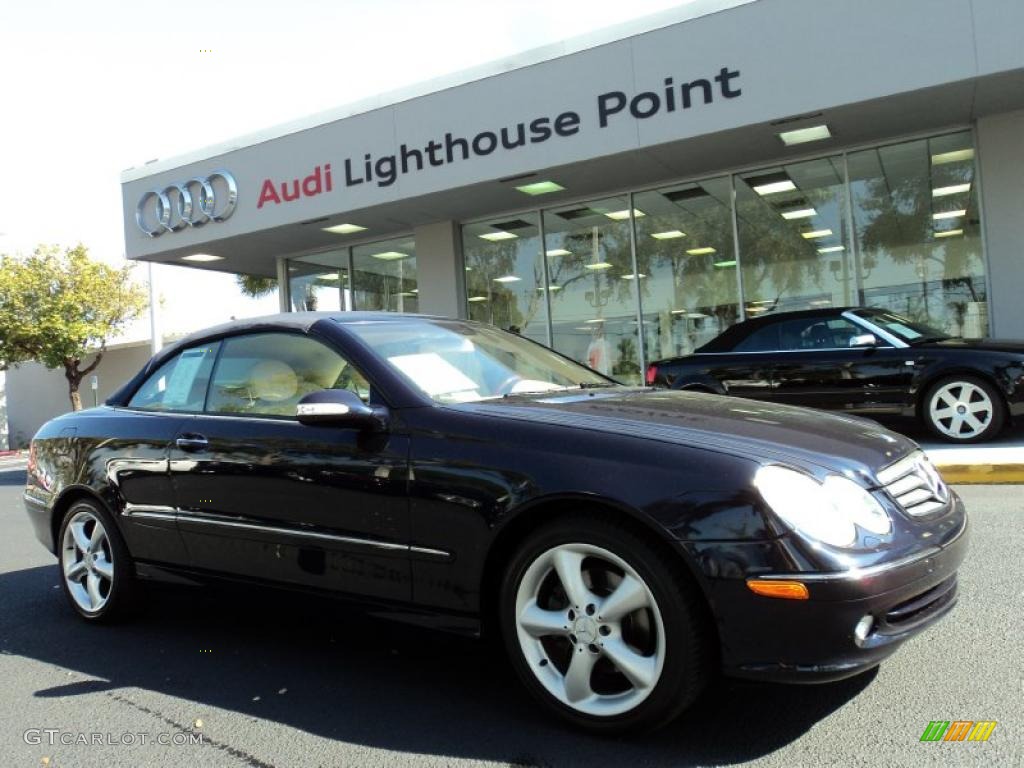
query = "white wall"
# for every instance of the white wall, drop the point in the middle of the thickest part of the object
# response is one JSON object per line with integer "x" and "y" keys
{"x": 34, "y": 395}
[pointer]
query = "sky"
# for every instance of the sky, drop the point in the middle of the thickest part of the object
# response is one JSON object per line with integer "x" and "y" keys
{"x": 91, "y": 89}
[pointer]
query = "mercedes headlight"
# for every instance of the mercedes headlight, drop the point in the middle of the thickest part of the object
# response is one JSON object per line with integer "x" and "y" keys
{"x": 829, "y": 512}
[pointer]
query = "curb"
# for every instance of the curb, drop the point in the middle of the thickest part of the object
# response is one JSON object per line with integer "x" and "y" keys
{"x": 982, "y": 474}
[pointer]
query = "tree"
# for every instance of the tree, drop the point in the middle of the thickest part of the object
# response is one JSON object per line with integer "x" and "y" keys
{"x": 256, "y": 286}
{"x": 59, "y": 307}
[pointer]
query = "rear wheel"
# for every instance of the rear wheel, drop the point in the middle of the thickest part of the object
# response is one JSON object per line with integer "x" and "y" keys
{"x": 963, "y": 409}
{"x": 97, "y": 571}
{"x": 601, "y": 628}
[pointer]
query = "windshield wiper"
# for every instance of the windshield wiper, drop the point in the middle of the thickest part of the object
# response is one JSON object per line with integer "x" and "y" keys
{"x": 597, "y": 384}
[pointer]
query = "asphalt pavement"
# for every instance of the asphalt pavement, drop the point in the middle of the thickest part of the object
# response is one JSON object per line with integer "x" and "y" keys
{"x": 278, "y": 680}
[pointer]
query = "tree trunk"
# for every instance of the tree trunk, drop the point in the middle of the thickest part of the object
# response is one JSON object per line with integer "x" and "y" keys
{"x": 74, "y": 379}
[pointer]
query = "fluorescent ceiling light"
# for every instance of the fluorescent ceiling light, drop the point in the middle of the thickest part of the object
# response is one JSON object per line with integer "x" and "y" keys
{"x": 700, "y": 251}
{"x": 757, "y": 309}
{"x": 800, "y": 213}
{"x": 202, "y": 257}
{"x": 821, "y": 303}
{"x": 949, "y": 214}
{"x": 634, "y": 277}
{"x": 671, "y": 234}
{"x": 507, "y": 279}
{"x": 691, "y": 315}
{"x": 540, "y": 188}
{"x": 415, "y": 290}
{"x": 953, "y": 189}
{"x": 405, "y": 293}
{"x": 956, "y": 156}
{"x": 477, "y": 298}
{"x": 804, "y": 135}
{"x": 722, "y": 264}
{"x": 775, "y": 187}
{"x": 328, "y": 276}
{"x": 949, "y": 233}
{"x": 595, "y": 320}
{"x": 493, "y": 236}
{"x": 599, "y": 265}
{"x": 344, "y": 229}
{"x": 623, "y": 215}
{"x": 390, "y": 255}
{"x": 832, "y": 249}
{"x": 551, "y": 288}
{"x": 558, "y": 252}
{"x": 816, "y": 233}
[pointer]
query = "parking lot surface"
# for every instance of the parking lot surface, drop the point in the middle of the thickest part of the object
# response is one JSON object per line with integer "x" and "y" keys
{"x": 279, "y": 680}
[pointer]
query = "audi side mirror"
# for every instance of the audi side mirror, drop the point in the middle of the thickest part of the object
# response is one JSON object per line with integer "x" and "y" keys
{"x": 341, "y": 408}
{"x": 864, "y": 340}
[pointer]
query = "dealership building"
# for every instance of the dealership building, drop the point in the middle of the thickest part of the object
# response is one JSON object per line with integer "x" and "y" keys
{"x": 628, "y": 195}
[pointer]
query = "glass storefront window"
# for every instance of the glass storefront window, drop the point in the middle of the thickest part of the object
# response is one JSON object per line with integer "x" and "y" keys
{"x": 687, "y": 266}
{"x": 384, "y": 276}
{"x": 794, "y": 243}
{"x": 320, "y": 282}
{"x": 592, "y": 286}
{"x": 505, "y": 275}
{"x": 915, "y": 210}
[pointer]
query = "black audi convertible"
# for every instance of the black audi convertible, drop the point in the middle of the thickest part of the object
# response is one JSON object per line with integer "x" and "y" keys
{"x": 864, "y": 361}
{"x": 626, "y": 544}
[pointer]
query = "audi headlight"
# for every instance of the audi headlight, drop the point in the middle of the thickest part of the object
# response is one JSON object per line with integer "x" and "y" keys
{"x": 828, "y": 512}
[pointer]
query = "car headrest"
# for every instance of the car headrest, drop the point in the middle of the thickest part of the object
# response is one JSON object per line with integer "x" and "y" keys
{"x": 273, "y": 381}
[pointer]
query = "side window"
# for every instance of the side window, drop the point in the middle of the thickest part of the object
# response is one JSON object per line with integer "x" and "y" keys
{"x": 764, "y": 339}
{"x": 811, "y": 333}
{"x": 268, "y": 373}
{"x": 180, "y": 383}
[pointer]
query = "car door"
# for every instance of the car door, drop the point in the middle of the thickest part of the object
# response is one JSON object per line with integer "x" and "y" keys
{"x": 260, "y": 495}
{"x": 817, "y": 367}
{"x": 744, "y": 372}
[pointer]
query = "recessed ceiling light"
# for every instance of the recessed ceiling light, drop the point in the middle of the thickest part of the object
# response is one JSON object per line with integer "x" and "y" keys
{"x": 344, "y": 229}
{"x": 595, "y": 320}
{"x": 832, "y": 249}
{"x": 390, "y": 255}
{"x": 551, "y": 288}
{"x": 721, "y": 264}
{"x": 700, "y": 251}
{"x": 405, "y": 293}
{"x": 599, "y": 265}
{"x": 815, "y": 233}
{"x": 671, "y": 234}
{"x": 415, "y": 290}
{"x": 493, "y": 236}
{"x": 757, "y": 309}
{"x": 202, "y": 257}
{"x": 477, "y": 298}
{"x": 949, "y": 214}
{"x": 634, "y": 277}
{"x": 507, "y": 279}
{"x": 804, "y": 135}
{"x": 540, "y": 188}
{"x": 956, "y": 156}
{"x": 953, "y": 189}
{"x": 328, "y": 276}
{"x": 800, "y": 213}
{"x": 558, "y": 252}
{"x": 949, "y": 233}
{"x": 775, "y": 187}
{"x": 623, "y": 215}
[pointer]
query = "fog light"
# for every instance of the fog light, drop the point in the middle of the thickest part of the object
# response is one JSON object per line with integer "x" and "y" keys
{"x": 863, "y": 628}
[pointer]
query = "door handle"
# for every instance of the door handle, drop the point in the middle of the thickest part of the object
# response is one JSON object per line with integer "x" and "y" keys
{"x": 192, "y": 442}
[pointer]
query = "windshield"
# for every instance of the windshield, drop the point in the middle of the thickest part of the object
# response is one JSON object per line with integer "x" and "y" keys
{"x": 899, "y": 326}
{"x": 460, "y": 362}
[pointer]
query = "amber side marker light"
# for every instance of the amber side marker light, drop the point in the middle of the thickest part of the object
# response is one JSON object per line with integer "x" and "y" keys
{"x": 789, "y": 590}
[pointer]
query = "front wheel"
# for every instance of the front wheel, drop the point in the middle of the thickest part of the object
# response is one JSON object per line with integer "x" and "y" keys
{"x": 963, "y": 409}
{"x": 602, "y": 628}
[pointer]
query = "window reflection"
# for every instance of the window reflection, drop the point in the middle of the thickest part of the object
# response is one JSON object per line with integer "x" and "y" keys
{"x": 505, "y": 275}
{"x": 592, "y": 284}
{"x": 384, "y": 276}
{"x": 685, "y": 252}
{"x": 915, "y": 209}
{"x": 319, "y": 282}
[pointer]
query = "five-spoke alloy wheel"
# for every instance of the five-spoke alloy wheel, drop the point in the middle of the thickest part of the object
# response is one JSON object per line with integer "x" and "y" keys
{"x": 601, "y": 628}
{"x": 963, "y": 409}
{"x": 94, "y": 562}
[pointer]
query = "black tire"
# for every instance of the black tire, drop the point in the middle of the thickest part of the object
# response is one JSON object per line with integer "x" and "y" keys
{"x": 120, "y": 597}
{"x": 688, "y": 638}
{"x": 941, "y": 428}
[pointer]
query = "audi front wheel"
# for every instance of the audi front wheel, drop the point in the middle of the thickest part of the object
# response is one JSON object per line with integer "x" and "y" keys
{"x": 964, "y": 409}
{"x": 601, "y": 628}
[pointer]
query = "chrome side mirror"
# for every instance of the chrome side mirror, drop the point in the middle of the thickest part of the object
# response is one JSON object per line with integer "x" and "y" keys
{"x": 342, "y": 408}
{"x": 864, "y": 340}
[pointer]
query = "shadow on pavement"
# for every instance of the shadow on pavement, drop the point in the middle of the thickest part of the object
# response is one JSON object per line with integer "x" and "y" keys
{"x": 366, "y": 681}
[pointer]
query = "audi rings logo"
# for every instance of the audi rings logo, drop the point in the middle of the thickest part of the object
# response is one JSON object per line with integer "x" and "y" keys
{"x": 189, "y": 204}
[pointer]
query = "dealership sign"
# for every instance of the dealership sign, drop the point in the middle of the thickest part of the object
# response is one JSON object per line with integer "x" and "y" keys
{"x": 187, "y": 204}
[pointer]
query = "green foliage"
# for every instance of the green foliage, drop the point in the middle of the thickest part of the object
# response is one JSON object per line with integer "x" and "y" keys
{"x": 255, "y": 285}
{"x": 58, "y": 307}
